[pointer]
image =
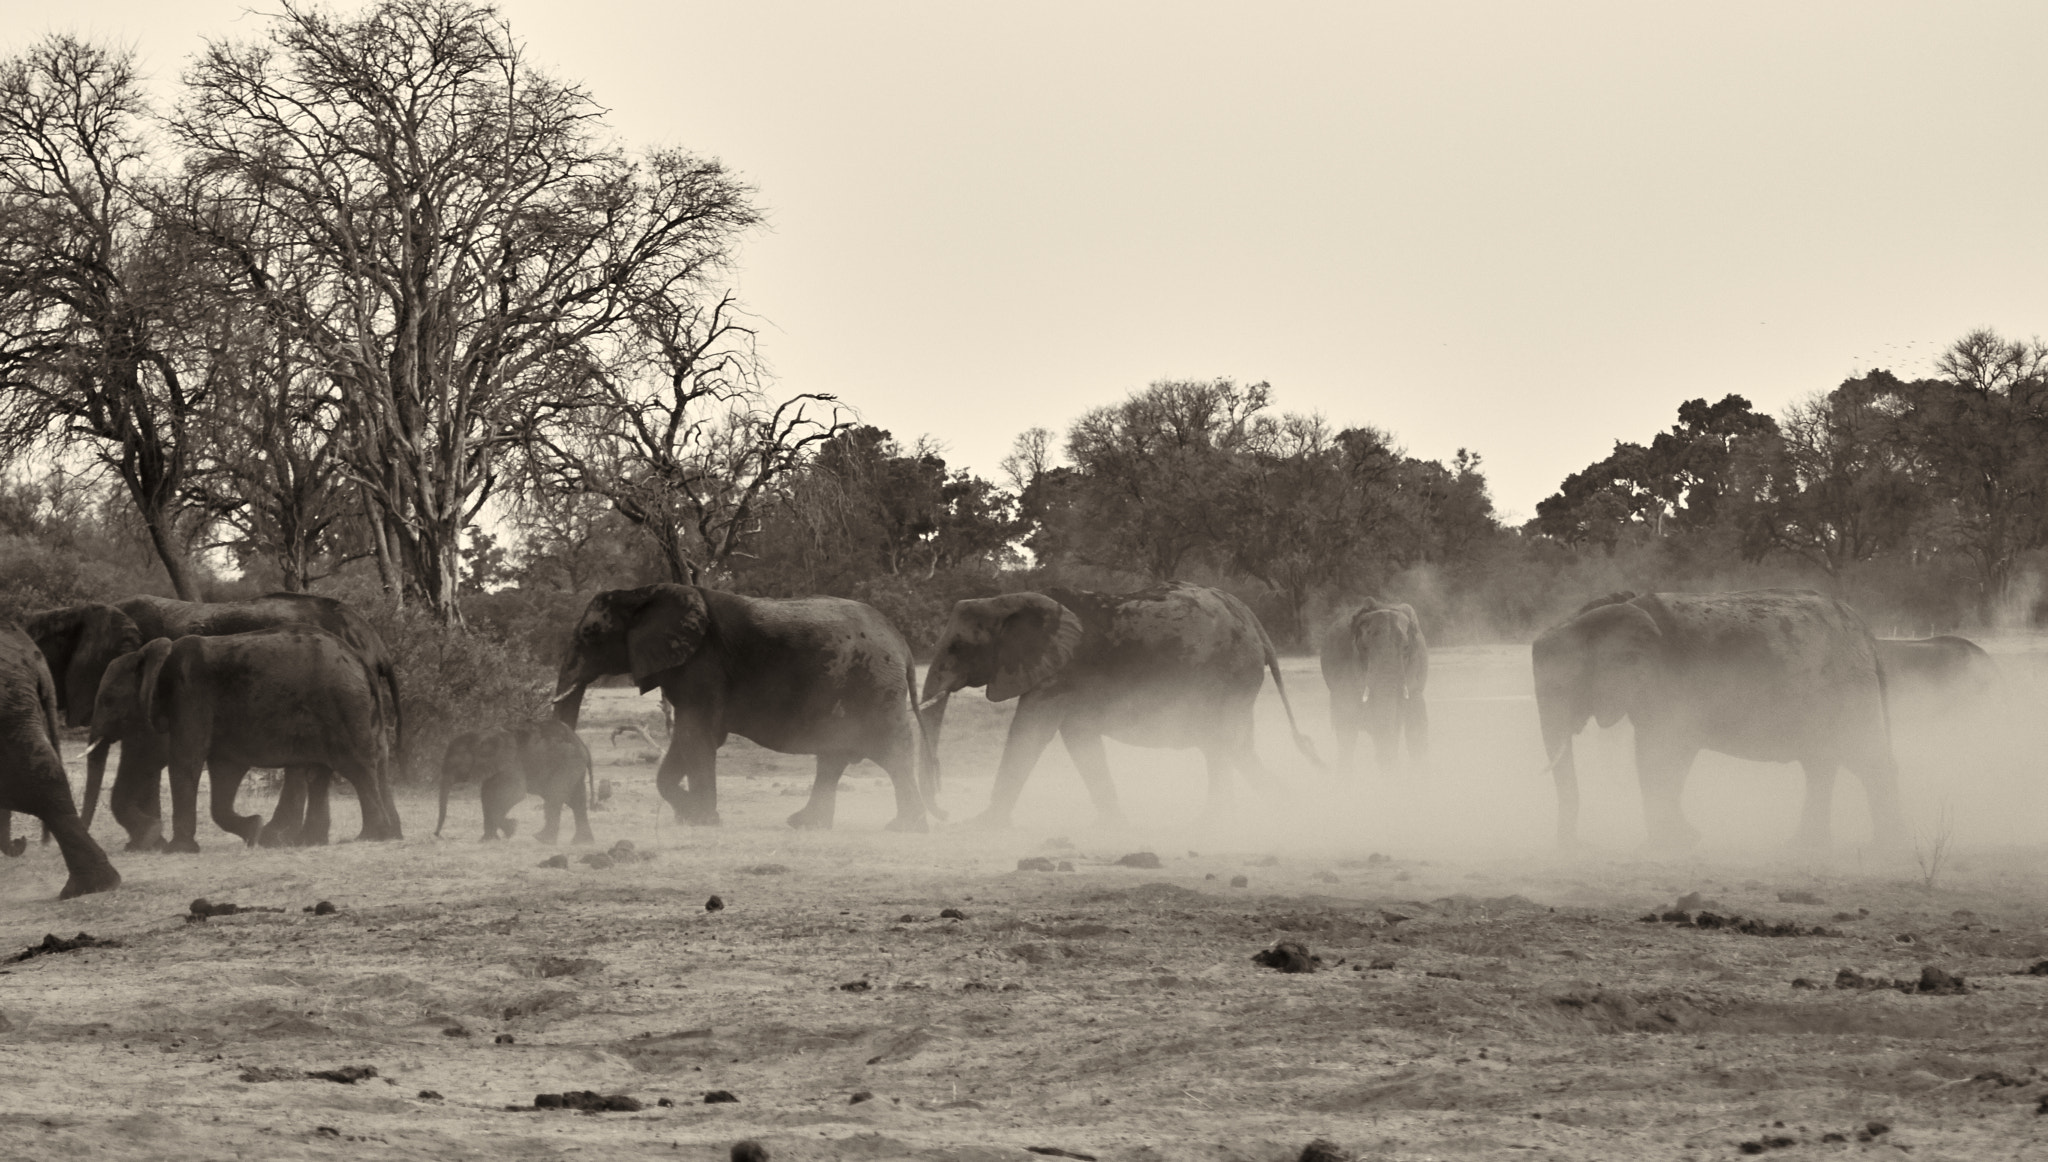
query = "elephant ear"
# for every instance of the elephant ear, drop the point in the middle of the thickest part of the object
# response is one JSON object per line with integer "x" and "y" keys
{"x": 105, "y": 633}
{"x": 665, "y": 632}
{"x": 153, "y": 689}
{"x": 1033, "y": 644}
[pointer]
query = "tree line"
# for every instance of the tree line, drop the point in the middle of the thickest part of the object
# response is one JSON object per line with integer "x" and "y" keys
{"x": 380, "y": 307}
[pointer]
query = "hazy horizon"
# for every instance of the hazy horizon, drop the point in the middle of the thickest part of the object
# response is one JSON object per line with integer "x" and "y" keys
{"x": 1528, "y": 231}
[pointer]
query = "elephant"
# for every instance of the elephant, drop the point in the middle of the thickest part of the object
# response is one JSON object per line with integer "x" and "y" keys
{"x": 32, "y": 779}
{"x": 298, "y": 697}
{"x": 508, "y": 763}
{"x": 821, "y": 676}
{"x": 1177, "y": 665}
{"x": 1769, "y": 675}
{"x": 1940, "y": 674}
{"x": 301, "y": 815}
{"x": 1376, "y": 664}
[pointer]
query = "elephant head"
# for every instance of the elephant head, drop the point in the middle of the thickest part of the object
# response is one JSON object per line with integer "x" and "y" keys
{"x": 1011, "y": 644}
{"x": 1385, "y": 641}
{"x": 644, "y": 632}
{"x": 1599, "y": 665}
{"x": 79, "y": 642}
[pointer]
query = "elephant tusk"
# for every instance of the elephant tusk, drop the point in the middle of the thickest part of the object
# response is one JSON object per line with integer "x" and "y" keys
{"x": 564, "y": 696}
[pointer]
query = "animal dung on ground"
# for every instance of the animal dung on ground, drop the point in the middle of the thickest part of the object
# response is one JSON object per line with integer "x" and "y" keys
{"x": 718, "y": 1096}
{"x": 748, "y": 1150}
{"x": 1144, "y": 859}
{"x": 714, "y": 904}
{"x": 1240, "y": 881}
{"x": 1288, "y": 956}
{"x": 1328, "y": 877}
{"x": 455, "y": 1031}
{"x": 548, "y": 967}
{"x": 590, "y": 1100}
{"x": 204, "y": 909}
{"x": 860, "y": 1096}
{"x": 623, "y": 847}
{"x": 561, "y": 861}
{"x": 598, "y": 860}
{"x": 952, "y": 914}
{"x": 1933, "y": 981}
{"x": 257, "y": 1074}
{"x": 430, "y": 1095}
{"x": 502, "y": 1039}
{"x": 1799, "y": 897}
{"x": 604, "y": 789}
{"x": 2040, "y": 968}
{"x": 1747, "y": 927}
{"x": 1034, "y": 863}
{"x": 55, "y": 943}
{"x": 346, "y": 1075}
{"x": 323, "y": 908}
{"x": 856, "y": 986}
{"x": 1324, "y": 1150}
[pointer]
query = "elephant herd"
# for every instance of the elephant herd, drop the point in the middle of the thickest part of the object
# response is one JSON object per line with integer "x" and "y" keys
{"x": 305, "y": 684}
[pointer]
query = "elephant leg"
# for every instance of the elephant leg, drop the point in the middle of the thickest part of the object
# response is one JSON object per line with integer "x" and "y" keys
{"x": 551, "y": 819}
{"x": 1415, "y": 725}
{"x": 361, "y": 773}
{"x": 1085, "y": 748}
{"x": 578, "y": 800}
{"x": 136, "y": 798}
{"x": 1661, "y": 768}
{"x": 900, "y": 761}
{"x": 288, "y": 818}
{"x": 817, "y": 814}
{"x": 225, "y": 782}
{"x": 11, "y": 847}
{"x": 40, "y": 788}
{"x": 185, "y": 806}
{"x": 1344, "y": 710}
{"x": 1817, "y": 814}
{"x": 1031, "y": 731}
{"x": 1878, "y": 771}
{"x": 500, "y": 793}
{"x": 1383, "y": 725}
{"x": 319, "y": 781}
{"x": 696, "y": 757}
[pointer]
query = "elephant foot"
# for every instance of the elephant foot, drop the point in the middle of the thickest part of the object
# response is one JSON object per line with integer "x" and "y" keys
{"x": 916, "y": 824}
{"x": 15, "y": 847}
{"x": 152, "y": 841}
{"x": 274, "y": 836}
{"x": 699, "y": 818}
{"x": 811, "y": 819}
{"x": 182, "y": 846}
{"x": 309, "y": 839}
{"x": 583, "y": 836}
{"x": 989, "y": 820}
{"x": 97, "y": 880}
{"x": 544, "y": 835}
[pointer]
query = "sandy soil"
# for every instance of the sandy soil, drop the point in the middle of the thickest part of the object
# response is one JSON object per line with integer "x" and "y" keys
{"x": 1481, "y": 997}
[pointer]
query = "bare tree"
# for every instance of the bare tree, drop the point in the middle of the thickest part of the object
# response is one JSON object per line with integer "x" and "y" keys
{"x": 465, "y": 224}
{"x": 675, "y": 433}
{"x": 90, "y": 285}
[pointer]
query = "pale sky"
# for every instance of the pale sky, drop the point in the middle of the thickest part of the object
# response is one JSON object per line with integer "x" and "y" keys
{"x": 1527, "y": 229}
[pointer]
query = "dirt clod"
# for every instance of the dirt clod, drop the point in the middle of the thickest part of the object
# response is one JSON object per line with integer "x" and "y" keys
{"x": 718, "y": 1096}
{"x": 584, "y": 1099}
{"x": 203, "y": 909}
{"x": 257, "y": 1074}
{"x": 598, "y": 860}
{"x": 1940, "y": 982}
{"x": 860, "y": 1096}
{"x": 1324, "y": 1150}
{"x": 1144, "y": 859}
{"x": 561, "y": 861}
{"x": 502, "y": 1039}
{"x": 346, "y": 1075}
{"x": 1056, "y": 1152}
{"x": 549, "y": 967}
{"x": 2040, "y": 968}
{"x": 748, "y": 1150}
{"x": 430, "y": 1095}
{"x": 1240, "y": 881}
{"x": 1034, "y": 863}
{"x": 952, "y": 914}
{"x": 714, "y": 904}
{"x": 54, "y": 943}
{"x": 455, "y": 1031}
{"x": 1288, "y": 956}
{"x": 323, "y": 908}
{"x": 856, "y": 986}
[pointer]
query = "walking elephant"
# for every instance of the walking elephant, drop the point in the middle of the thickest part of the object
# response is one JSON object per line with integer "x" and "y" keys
{"x": 301, "y": 815}
{"x": 32, "y": 779}
{"x": 273, "y": 698}
{"x": 820, "y": 676}
{"x": 1376, "y": 664}
{"x": 510, "y": 762}
{"x": 1177, "y": 666}
{"x": 1769, "y": 675}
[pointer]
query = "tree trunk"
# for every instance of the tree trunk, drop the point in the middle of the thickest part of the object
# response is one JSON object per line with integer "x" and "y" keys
{"x": 168, "y": 550}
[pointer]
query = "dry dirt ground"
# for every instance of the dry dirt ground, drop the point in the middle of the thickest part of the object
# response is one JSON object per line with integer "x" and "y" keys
{"x": 1480, "y": 996}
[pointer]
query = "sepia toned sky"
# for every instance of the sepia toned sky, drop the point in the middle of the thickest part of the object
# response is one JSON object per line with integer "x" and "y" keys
{"x": 1527, "y": 229}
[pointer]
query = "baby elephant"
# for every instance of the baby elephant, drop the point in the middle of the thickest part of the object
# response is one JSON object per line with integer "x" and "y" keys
{"x": 511, "y": 762}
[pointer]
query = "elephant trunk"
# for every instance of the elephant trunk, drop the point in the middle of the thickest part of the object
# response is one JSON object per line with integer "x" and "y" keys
{"x": 569, "y": 687}
{"x": 1561, "y": 715}
{"x": 931, "y": 721}
{"x": 95, "y": 774}
{"x": 942, "y": 679}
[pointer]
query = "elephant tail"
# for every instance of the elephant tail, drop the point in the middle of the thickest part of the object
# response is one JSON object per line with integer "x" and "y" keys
{"x": 443, "y": 819}
{"x": 1302, "y": 741}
